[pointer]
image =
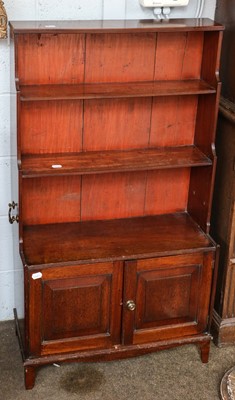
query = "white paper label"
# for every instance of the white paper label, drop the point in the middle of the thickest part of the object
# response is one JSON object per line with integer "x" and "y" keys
{"x": 37, "y": 275}
{"x": 56, "y": 166}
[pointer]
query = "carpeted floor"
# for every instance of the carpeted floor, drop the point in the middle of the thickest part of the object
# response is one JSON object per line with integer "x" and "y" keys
{"x": 167, "y": 375}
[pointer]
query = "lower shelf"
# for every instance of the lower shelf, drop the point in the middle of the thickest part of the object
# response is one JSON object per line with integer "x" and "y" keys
{"x": 120, "y": 239}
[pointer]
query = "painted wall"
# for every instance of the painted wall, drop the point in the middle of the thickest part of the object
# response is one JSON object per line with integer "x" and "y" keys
{"x": 10, "y": 265}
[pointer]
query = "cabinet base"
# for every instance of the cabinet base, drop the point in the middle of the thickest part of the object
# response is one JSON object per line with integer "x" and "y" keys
{"x": 114, "y": 353}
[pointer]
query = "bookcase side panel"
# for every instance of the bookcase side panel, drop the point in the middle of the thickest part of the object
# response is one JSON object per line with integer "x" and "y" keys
{"x": 211, "y": 57}
{"x": 200, "y": 195}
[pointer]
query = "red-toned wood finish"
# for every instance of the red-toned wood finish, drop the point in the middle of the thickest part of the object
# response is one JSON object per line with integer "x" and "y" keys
{"x": 173, "y": 121}
{"x": 123, "y": 239}
{"x": 43, "y": 125}
{"x": 167, "y": 297}
{"x": 39, "y": 54}
{"x": 183, "y": 52}
{"x": 46, "y": 200}
{"x": 114, "y": 26}
{"x": 122, "y": 66}
{"x": 166, "y": 191}
{"x": 114, "y": 90}
{"x": 83, "y": 306}
{"x": 116, "y": 125}
{"x": 99, "y": 162}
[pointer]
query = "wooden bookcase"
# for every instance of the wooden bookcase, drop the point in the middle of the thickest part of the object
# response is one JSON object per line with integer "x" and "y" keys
{"x": 116, "y": 125}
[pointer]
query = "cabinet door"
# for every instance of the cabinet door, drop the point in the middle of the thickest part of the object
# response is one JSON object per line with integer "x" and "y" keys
{"x": 166, "y": 298}
{"x": 74, "y": 308}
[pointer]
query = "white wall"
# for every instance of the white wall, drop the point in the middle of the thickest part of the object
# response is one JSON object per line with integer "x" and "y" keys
{"x": 10, "y": 266}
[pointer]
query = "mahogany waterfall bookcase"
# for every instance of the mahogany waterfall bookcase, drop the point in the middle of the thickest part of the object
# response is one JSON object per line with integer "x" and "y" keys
{"x": 115, "y": 127}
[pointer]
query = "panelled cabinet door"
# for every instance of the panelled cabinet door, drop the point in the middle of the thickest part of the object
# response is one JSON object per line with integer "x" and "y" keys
{"x": 166, "y": 297}
{"x": 75, "y": 308}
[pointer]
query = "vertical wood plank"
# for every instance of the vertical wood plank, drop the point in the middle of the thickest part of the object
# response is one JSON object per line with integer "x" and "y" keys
{"x": 169, "y": 55}
{"x": 173, "y": 121}
{"x": 120, "y": 57}
{"x": 178, "y": 55}
{"x": 167, "y": 191}
{"x": 41, "y": 58}
{"x": 119, "y": 195}
{"x": 191, "y": 65}
{"x": 115, "y": 124}
{"x": 50, "y": 200}
{"x": 51, "y": 126}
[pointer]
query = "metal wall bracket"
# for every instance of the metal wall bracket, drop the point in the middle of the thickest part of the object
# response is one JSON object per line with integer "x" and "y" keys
{"x": 12, "y": 218}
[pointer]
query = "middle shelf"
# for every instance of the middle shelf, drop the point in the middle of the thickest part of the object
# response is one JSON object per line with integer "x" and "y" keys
{"x": 114, "y": 90}
{"x": 95, "y": 162}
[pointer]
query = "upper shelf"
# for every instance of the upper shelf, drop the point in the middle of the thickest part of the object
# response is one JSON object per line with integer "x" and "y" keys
{"x": 115, "y": 26}
{"x": 94, "y": 162}
{"x": 114, "y": 90}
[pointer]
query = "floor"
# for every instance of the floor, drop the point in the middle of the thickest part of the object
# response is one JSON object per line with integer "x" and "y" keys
{"x": 166, "y": 375}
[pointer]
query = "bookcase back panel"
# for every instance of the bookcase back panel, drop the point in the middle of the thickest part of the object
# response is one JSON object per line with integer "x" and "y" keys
{"x": 178, "y": 56}
{"x": 134, "y": 194}
{"x": 134, "y": 57}
{"x": 167, "y": 191}
{"x": 119, "y": 195}
{"x": 120, "y": 57}
{"x": 51, "y": 126}
{"x": 105, "y": 196}
{"x": 112, "y": 124}
{"x": 106, "y": 124}
{"x": 173, "y": 121}
{"x": 51, "y": 199}
{"x": 50, "y": 58}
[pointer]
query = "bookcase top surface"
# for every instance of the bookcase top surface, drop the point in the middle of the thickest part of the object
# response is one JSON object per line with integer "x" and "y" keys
{"x": 114, "y": 26}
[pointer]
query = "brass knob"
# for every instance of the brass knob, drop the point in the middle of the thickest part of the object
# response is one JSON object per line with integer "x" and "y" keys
{"x": 130, "y": 305}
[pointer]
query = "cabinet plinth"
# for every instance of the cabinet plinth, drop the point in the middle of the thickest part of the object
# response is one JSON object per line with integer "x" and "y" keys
{"x": 116, "y": 168}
